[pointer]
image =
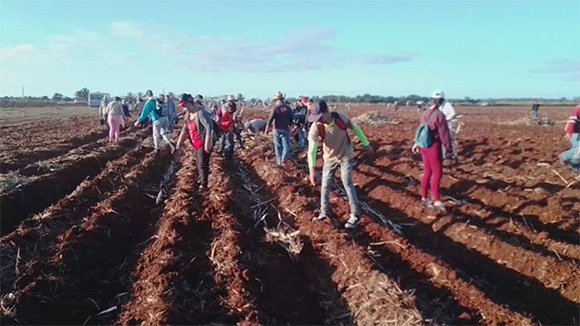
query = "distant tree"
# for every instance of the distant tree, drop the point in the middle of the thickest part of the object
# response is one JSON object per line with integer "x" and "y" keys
{"x": 67, "y": 99}
{"x": 82, "y": 94}
{"x": 44, "y": 98}
{"x": 57, "y": 97}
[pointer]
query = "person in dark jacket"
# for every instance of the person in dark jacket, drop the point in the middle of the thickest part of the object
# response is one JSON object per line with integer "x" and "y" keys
{"x": 282, "y": 117}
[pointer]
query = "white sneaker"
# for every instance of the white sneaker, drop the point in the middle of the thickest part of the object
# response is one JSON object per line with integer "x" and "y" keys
{"x": 352, "y": 222}
{"x": 439, "y": 206}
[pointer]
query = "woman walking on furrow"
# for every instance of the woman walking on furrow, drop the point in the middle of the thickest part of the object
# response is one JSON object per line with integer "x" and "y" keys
{"x": 115, "y": 118}
{"x": 200, "y": 130}
{"x": 432, "y": 133}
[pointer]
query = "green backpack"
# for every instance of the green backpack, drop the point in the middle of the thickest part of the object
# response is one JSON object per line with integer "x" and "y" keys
{"x": 424, "y": 135}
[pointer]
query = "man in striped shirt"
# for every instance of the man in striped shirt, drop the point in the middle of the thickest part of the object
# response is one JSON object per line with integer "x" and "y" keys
{"x": 572, "y": 155}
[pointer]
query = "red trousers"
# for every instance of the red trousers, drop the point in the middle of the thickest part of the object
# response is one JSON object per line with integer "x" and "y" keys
{"x": 433, "y": 161}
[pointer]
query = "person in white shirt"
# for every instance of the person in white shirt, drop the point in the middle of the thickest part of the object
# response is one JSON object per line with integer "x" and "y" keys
{"x": 451, "y": 116}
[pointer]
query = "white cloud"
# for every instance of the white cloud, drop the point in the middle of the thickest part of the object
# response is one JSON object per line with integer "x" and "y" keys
{"x": 18, "y": 51}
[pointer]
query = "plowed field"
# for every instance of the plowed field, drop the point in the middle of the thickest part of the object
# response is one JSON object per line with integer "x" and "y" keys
{"x": 94, "y": 233}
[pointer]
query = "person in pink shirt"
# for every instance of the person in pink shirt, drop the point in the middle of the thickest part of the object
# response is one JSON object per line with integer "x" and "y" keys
{"x": 433, "y": 156}
{"x": 572, "y": 156}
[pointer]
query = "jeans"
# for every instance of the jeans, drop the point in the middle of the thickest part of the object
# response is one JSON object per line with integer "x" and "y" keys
{"x": 301, "y": 137}
{"x": 328, "y": 170}
{"x": 572, "y": 155}
{"x": 229, "y": 145}
{"x": 202, "y": 160}
{"x": 161, "y": 130}
{"x": 281, "y": 139}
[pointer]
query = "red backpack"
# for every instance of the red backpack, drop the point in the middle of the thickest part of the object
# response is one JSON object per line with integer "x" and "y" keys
{"x": 337, "y": 119}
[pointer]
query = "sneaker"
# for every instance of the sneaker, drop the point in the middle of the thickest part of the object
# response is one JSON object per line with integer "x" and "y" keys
{"x": 426, "y": 202}
{"x": 439, "y": 206}
{"x": 352, "y": 222}
{"x": 319, "y": 218}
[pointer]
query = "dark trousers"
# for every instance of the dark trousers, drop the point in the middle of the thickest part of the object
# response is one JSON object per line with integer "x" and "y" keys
{"x": 202, "y": 159}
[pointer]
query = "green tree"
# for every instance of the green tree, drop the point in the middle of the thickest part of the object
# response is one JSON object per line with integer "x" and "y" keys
{"x": 82, "y": 94}
{"x": 57, "y": 97}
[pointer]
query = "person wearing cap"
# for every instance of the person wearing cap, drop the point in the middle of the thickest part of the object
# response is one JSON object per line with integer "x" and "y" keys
{"x": 282, "y": 117}
{"x": 226, "y": 124}
{"x": 572, "y": 129}
{"x": 157, "y": 111}
{"x": 432, "y": 156}
{"x": 448, "y": 110}
{"x": 115, "y": 118}
{"x": 198, "y": 127}
{"x": 330, "y": 129}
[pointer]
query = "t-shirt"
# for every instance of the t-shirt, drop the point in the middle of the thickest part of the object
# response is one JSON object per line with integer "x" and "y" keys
{"x": 226, "y": 121}
{"x": 337, "y": 144}
{"x": 282, "y": 117}
{"x": 194, "y": 137}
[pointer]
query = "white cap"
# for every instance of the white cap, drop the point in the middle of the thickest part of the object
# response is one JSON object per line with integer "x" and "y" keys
{"x": 438, "y": 94}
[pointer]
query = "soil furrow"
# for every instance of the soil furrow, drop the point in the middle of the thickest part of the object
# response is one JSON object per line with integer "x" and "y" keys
{"x": 88, "y": 269}
{"x": 504, "y": 285}
{"x": 33, "y": 197}
{"x": 35, "y": 236}
{"x": 175, "y": 278}
{"x": 371, "y": 296}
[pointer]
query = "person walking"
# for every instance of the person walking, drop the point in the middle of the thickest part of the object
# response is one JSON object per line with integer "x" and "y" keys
{"x": 572, "y": 155}
{"x": 282, "y": 117}
{"x": 171, "y": 112}
{"x": 330, "y": 129}
{"x": 198, "y": 127}
{"x": 448, "y": 110}
{"x": 226, "y": 125}
{"x": 115, "y": 118}
{"x": 157, "y": 111}
{"x": 432, "y": 154}
{"x": 125, "y": 106}
{"x": 299, "y": 121}
{"x": 102, "y": 110}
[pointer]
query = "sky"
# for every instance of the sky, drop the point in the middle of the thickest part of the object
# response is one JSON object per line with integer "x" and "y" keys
{"x": 475, "y": 48}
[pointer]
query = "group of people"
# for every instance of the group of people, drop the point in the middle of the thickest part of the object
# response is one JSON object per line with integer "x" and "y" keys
{"x": 313, "y": 125}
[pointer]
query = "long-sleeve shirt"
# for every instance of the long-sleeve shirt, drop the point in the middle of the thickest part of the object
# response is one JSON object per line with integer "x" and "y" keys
{"x": 282, "y": 117}
{"x": 114, "y": 108}
{"x": 337, "y": 144}
{"x": 573, "y": 123}
{"x": 448, "y": 110}
{"x": 438, "y": 125}
{"x": 149, "y": 110}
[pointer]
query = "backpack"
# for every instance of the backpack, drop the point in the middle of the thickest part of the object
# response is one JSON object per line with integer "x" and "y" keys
{"x": 339, "y": 122}
{"x": 160, "y": 108}
{"x": 424, "y": 135}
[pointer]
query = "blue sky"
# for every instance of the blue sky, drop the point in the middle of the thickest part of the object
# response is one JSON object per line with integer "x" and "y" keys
{"x": 472, "y": 48}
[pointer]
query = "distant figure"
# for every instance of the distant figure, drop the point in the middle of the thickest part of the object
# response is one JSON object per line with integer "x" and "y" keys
{"x": 102, "y": 110}
{"x": 535, "y": 116}
{"x": 299, "y": 121}
{"x": 226, "y": 123}
{"x": 396, "y": 105}
{"x": 171, "y": 112}
{"x": 448, "y": 110}
{"x": 125, "y": 109}
{"x": 281, "y": 116}
{"x": 255, "y": 126}
{"x": 115, "y": 118}
{"x": 572, "y": 156}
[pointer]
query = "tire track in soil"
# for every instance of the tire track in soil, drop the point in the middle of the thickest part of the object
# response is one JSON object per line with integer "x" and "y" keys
{"x": 532, "y": 261}
{"x": 88, "y": 268}
{"x": 372, "y": 297}
{"x": 19, "y": 204}
{"x": 442, "y": 295}
{"x": 35, "y": 236}
{"x": 521, "y": 293}
{"x": 176, "y": 279}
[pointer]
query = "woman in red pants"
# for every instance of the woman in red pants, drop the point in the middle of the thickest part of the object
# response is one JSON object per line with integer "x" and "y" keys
{"x": 432, "y": 155}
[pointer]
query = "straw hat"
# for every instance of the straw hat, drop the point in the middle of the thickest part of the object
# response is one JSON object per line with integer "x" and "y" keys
{"x": 279, "y": 96}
